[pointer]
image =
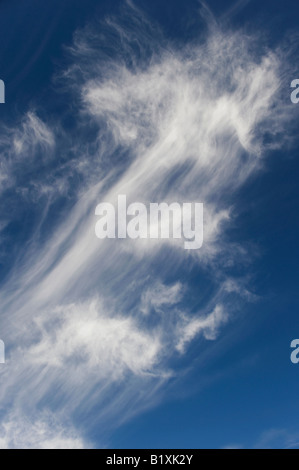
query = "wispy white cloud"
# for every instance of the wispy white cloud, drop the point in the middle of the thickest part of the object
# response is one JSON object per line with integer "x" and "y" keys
{"x": 83, "y": 333}
{"x": 158, "y": 296}
{"x": 21, "y": 146}
{"x": 168, "y": 123}
{"x": 33, "y": 133}
{"x": 275, "y": 438}
{"x": 208, "y": 326}
{"x": 20, "y": 432}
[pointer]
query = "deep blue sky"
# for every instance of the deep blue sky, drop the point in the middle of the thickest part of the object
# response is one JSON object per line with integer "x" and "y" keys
{"x": 247, "y": 386}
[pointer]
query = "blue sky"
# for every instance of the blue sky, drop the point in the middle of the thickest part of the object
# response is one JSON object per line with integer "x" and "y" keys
{"x": 125, "y": 344}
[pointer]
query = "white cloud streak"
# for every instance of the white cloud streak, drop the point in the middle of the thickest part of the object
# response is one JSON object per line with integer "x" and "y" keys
{"x": 91, "y": 325}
